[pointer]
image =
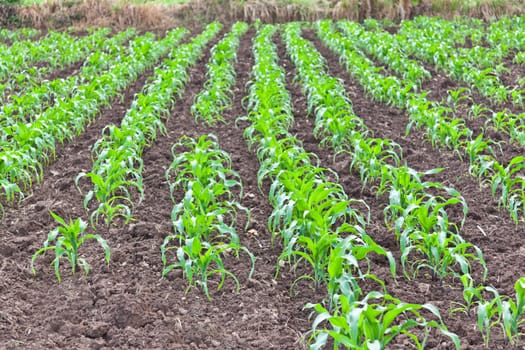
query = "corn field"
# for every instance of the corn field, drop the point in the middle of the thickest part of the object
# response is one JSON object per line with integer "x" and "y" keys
{"x": 318, "y": 185}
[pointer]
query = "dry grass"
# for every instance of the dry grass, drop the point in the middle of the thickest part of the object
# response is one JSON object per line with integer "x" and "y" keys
{"x": 485, "y": 9}
{"x": 121, "y": 14}
{"x": 82, "y": 13}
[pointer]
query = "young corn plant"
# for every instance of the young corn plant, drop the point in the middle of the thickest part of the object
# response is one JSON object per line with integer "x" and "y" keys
{"x": 472, "y": 295}
{"x": 307, "y": 210}
{"x": 204, "y": 219}
{"x": 373, "y": 321}
{"x": 489, "y": 314}
{"x": 442, "y": 252}
{"x": 199, "y": 261}
{"x": 206, "y": 163}
{"x": 112, "y": 192}
{"x": 513, "y": 312}
{"x": 498, "y": 311}
{"x": 66, "y": 241}
{"x": 344, "y": 268}
{"x": 510, "y": 182}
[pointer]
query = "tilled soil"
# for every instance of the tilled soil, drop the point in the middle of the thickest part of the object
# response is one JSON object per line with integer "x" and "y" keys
{"x": 127, "y": 305}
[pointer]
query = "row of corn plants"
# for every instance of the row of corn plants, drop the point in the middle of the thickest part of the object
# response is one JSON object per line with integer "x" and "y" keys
{"x": 478, "y": 66}
{"x": 17, "y": 34}
{"x": 508, "y": 124}
{"x": 419, "y": 219}
{"x": 306, "y": 204}
{"x": 56, "y": 49}
{"x": 216, "y": 96}
{"x": 31, "y": 100}
{"x": 498, "y": 38}
{"x": 443, "y": 129}
{"x": 22, "y": 160}
{"x": 117, "y": 155}
{"x": 204, "y": 218}
{"x": 387, "y": 50}
{"x": 498, "y": 310}
{"x": 455, "y": 32}
{"x": 66, "y": 239}
{"x": 505, "y": 35}
{"x": 509, "y": 32}
{"x": 317, "y": 223}
{"x": 72, "y": 52}
{"x": 507, "y": 186}
{"x": 504, "y": 121}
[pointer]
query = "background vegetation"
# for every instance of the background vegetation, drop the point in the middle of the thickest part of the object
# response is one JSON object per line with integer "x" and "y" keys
{"x": 167, "y": 13}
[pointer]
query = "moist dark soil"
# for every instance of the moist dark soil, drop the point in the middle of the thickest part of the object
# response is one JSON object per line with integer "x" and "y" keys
{"x": 127, "y": 305}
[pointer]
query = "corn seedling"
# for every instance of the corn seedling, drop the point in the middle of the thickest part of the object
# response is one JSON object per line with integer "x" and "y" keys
{"x": 361, "y": 323}
{"x": 204, "y": 219}
{"x": 196, "y": 260}
{"x": 66, "y": 241}
{"x": 471, "y": 295}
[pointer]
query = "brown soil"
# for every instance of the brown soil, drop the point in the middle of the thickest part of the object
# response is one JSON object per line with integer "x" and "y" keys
{"x": 127, "y": 305}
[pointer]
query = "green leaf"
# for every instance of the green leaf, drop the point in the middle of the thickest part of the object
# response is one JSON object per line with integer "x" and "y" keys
{"x": 58, "y": 218}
